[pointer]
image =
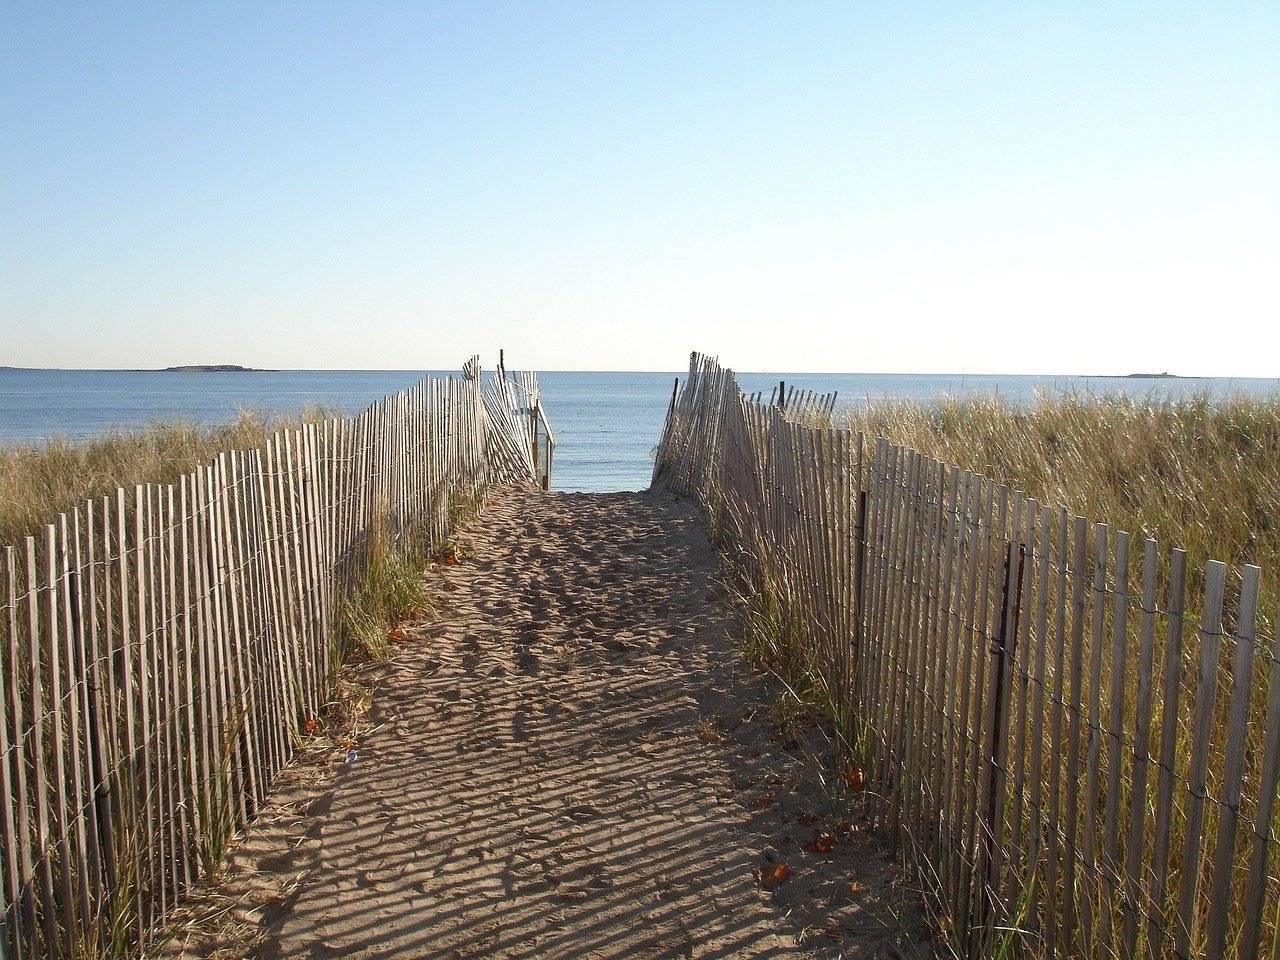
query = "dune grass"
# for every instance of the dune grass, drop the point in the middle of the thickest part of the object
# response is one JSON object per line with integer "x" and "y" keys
{"x": 1197, "y": 473}
{"x": 390, "y": 590}
{"x": 39, "y": 481}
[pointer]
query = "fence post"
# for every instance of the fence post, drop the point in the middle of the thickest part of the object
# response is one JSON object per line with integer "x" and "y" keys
{"x": 98, "y": 767}
{"x": 859, "y": 583}
{"x": 1003, "y": 652}
{"x": 546, "y": 458}
{"x": 533, "y": 433}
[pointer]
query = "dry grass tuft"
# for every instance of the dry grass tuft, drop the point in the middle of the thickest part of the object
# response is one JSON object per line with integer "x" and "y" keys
{"x": 40, "y": 481}
{"x": 1198, "y": 473}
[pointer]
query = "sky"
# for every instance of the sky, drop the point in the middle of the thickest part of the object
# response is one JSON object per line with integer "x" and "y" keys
{"x": 883, "y": 187}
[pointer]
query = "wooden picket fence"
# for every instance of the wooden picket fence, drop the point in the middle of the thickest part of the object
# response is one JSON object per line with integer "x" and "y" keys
{"x": 1075, "y": 737}
{"x": 165, "y": 647}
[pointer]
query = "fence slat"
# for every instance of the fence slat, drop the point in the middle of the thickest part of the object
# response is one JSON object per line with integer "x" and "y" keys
{"x": 1201, "y": 730}
{"x": 1141, "y": 753}
{"x": 1169, "y": 727}
{"x": 1233, "y": 770}
{"x": 1251, "y": 936}
{"x": 18, "y": 834}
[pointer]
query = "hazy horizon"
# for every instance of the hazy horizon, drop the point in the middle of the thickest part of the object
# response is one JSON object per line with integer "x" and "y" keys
{"x": 1133, "y": 374}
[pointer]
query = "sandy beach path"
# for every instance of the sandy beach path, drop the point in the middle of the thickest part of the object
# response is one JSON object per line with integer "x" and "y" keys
{"x": 570, "y": 760}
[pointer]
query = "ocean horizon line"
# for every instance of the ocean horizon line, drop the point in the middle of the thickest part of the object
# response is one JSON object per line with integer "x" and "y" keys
{"x": 1136, "y": 375}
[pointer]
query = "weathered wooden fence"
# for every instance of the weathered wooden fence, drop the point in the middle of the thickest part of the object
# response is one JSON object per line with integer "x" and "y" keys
{"x": 1078, "y": 749}
{"x": 522, "y": 397}
{"x": 164, "y": 647}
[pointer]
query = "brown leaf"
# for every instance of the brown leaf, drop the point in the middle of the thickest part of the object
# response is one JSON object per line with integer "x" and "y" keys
{"x": 808, "y": 817}
{"x": 855, "y": 778}
{"x": 822, "y": 843}
{"x": 766, "y": 798}
{"x": 397, "y": 635}
{"x": 770, "y": 877}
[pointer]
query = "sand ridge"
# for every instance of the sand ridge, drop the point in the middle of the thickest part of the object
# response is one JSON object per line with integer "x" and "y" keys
{"x": 571, "y": 761}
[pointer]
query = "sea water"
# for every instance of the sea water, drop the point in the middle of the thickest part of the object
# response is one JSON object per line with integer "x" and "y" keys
{"x": 606, "y": 424}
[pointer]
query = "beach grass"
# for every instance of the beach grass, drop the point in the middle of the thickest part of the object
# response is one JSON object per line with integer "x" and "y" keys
{"x": 1198, "y": 473}
{"x": 389, "y": 591}
{"x": 39, "y": 481}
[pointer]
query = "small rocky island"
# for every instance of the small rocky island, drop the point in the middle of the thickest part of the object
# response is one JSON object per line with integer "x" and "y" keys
{"x": 211, "y": 368}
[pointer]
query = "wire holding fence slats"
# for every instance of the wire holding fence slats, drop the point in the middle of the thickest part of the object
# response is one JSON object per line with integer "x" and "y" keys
{"x": 166, "y": 646}
{"x": 1075, "y": 737}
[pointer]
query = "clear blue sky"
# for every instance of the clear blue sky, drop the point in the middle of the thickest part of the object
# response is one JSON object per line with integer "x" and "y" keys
{"x": 961, "y": 187}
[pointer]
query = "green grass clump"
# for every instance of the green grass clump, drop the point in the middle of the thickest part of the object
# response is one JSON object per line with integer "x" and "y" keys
{"x": 390, "y": 591}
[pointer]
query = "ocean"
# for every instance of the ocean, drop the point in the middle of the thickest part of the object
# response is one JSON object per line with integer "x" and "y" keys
{"x": 606, "y": 424}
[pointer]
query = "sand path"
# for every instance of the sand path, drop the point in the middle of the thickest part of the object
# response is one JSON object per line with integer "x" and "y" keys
{"x": 572, "y": 761}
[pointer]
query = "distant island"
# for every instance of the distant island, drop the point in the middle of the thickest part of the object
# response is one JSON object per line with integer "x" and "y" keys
{"x": 212, "y": 368}
{"x": 1158, "y": 376}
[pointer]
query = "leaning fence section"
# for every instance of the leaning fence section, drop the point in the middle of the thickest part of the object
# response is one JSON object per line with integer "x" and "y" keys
{"x": 1075, "y": 734}
{"x": 164, "y": 648}
{"x": 527, "y": 443}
